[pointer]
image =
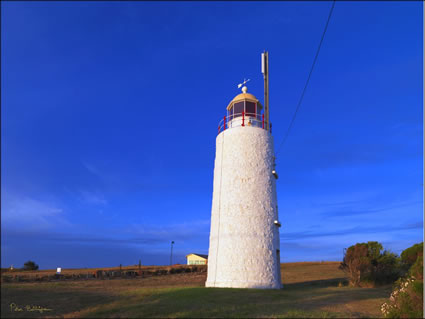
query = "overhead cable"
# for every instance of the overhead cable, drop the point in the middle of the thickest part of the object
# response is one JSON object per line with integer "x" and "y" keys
{"x": 308, "y": 79}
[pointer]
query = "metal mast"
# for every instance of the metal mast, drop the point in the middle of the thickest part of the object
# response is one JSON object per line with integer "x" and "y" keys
{"x": 265, "y": 71}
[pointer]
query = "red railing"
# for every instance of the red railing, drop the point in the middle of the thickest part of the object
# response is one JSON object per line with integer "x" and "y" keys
{"x": 242, "y": 119}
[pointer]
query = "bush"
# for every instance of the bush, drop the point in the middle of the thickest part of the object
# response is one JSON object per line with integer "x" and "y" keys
{"x": 386, "y": 268}
{"x": 417, "y": 269}
{"x": 409, "y": 255}
{"x": 178, "y": 270}
{"x": 406, "y": 300}
{"x": 367, "y": 263}
{"x": 30, "y": 265}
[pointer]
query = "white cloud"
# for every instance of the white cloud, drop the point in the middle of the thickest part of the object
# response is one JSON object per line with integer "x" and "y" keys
{"x": 91, "y": 169}
{"x": 28, "y": 213}
{"x": 93, "y": 198}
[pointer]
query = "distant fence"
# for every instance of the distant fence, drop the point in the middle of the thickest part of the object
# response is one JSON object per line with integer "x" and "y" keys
{"x": 103, "y": 274}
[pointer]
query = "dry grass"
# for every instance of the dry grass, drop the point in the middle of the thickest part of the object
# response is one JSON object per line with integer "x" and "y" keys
{"x": 309, "y": 271}
{"x": 310, "y": 290}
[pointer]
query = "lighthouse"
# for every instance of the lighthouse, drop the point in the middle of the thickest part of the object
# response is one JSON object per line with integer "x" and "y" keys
{"x": 244, "y": 249}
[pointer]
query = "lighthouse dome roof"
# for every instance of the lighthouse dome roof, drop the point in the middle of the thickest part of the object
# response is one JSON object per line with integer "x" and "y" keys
{"x": 244, "y": 97}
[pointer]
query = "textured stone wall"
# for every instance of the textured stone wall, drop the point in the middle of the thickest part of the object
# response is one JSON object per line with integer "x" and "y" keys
{"x": 243, "y": 237}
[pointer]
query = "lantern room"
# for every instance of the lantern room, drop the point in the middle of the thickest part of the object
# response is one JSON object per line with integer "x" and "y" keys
{"x": 244, "y": 104}
{"x": 243, "y": 110}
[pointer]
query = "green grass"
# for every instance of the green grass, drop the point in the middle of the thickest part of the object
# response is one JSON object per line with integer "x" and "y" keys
{"x": 320, "y": 300}
{"x": 208, "y": 302}
{"x": 310, "y": 291}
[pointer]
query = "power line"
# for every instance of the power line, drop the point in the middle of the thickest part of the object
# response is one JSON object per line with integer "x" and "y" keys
{"x": 308, "y": 79}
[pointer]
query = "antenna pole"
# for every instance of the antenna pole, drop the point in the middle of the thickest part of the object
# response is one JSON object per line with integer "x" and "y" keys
{"x": 265, "y": 71}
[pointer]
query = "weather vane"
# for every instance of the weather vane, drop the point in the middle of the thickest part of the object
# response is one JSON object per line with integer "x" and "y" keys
{"x": 243, "y": 83}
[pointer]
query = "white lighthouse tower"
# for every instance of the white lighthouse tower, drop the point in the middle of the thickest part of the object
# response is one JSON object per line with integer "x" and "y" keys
{"x": 244, "y": 247}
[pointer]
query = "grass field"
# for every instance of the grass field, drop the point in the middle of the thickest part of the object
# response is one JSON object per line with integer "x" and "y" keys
{"x": 310, "y": 290}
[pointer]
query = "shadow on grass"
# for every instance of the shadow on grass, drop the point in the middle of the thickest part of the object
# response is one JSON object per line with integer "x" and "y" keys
{"x": 324, "y": 283}
{"x": 316, "y": 298}
{"x": 296, "y": 300}
{"x": 15, "y": 300}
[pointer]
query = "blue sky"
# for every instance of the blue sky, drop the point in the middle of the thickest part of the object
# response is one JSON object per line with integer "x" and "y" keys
{"x": 110, "y": 112}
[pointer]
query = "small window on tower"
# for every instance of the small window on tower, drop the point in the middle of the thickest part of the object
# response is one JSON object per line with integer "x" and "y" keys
{"x": 250, "y": 108}
{"x": 238, "y": 109}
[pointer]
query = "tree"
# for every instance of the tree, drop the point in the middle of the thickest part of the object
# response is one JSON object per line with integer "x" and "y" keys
{"x": 356, "y": 263}
{"x": 367, "y": 262}
{"x": 30, "y": 265}
{"x": 374, "y": 249}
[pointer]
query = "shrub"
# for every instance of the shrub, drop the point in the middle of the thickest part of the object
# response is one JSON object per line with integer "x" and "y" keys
{"x": 409, "y": 255}
{"x": 178, "y": 270}
{"x": 386, "y": 268}
{"x": 417, "y": 269}
{"x": 406, "y": 300}
{"x": 366, "y": 263}
{"x": 30, "y": 265}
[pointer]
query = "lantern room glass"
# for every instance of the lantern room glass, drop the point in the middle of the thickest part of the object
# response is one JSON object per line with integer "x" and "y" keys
{"x": 250, "y": 109}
